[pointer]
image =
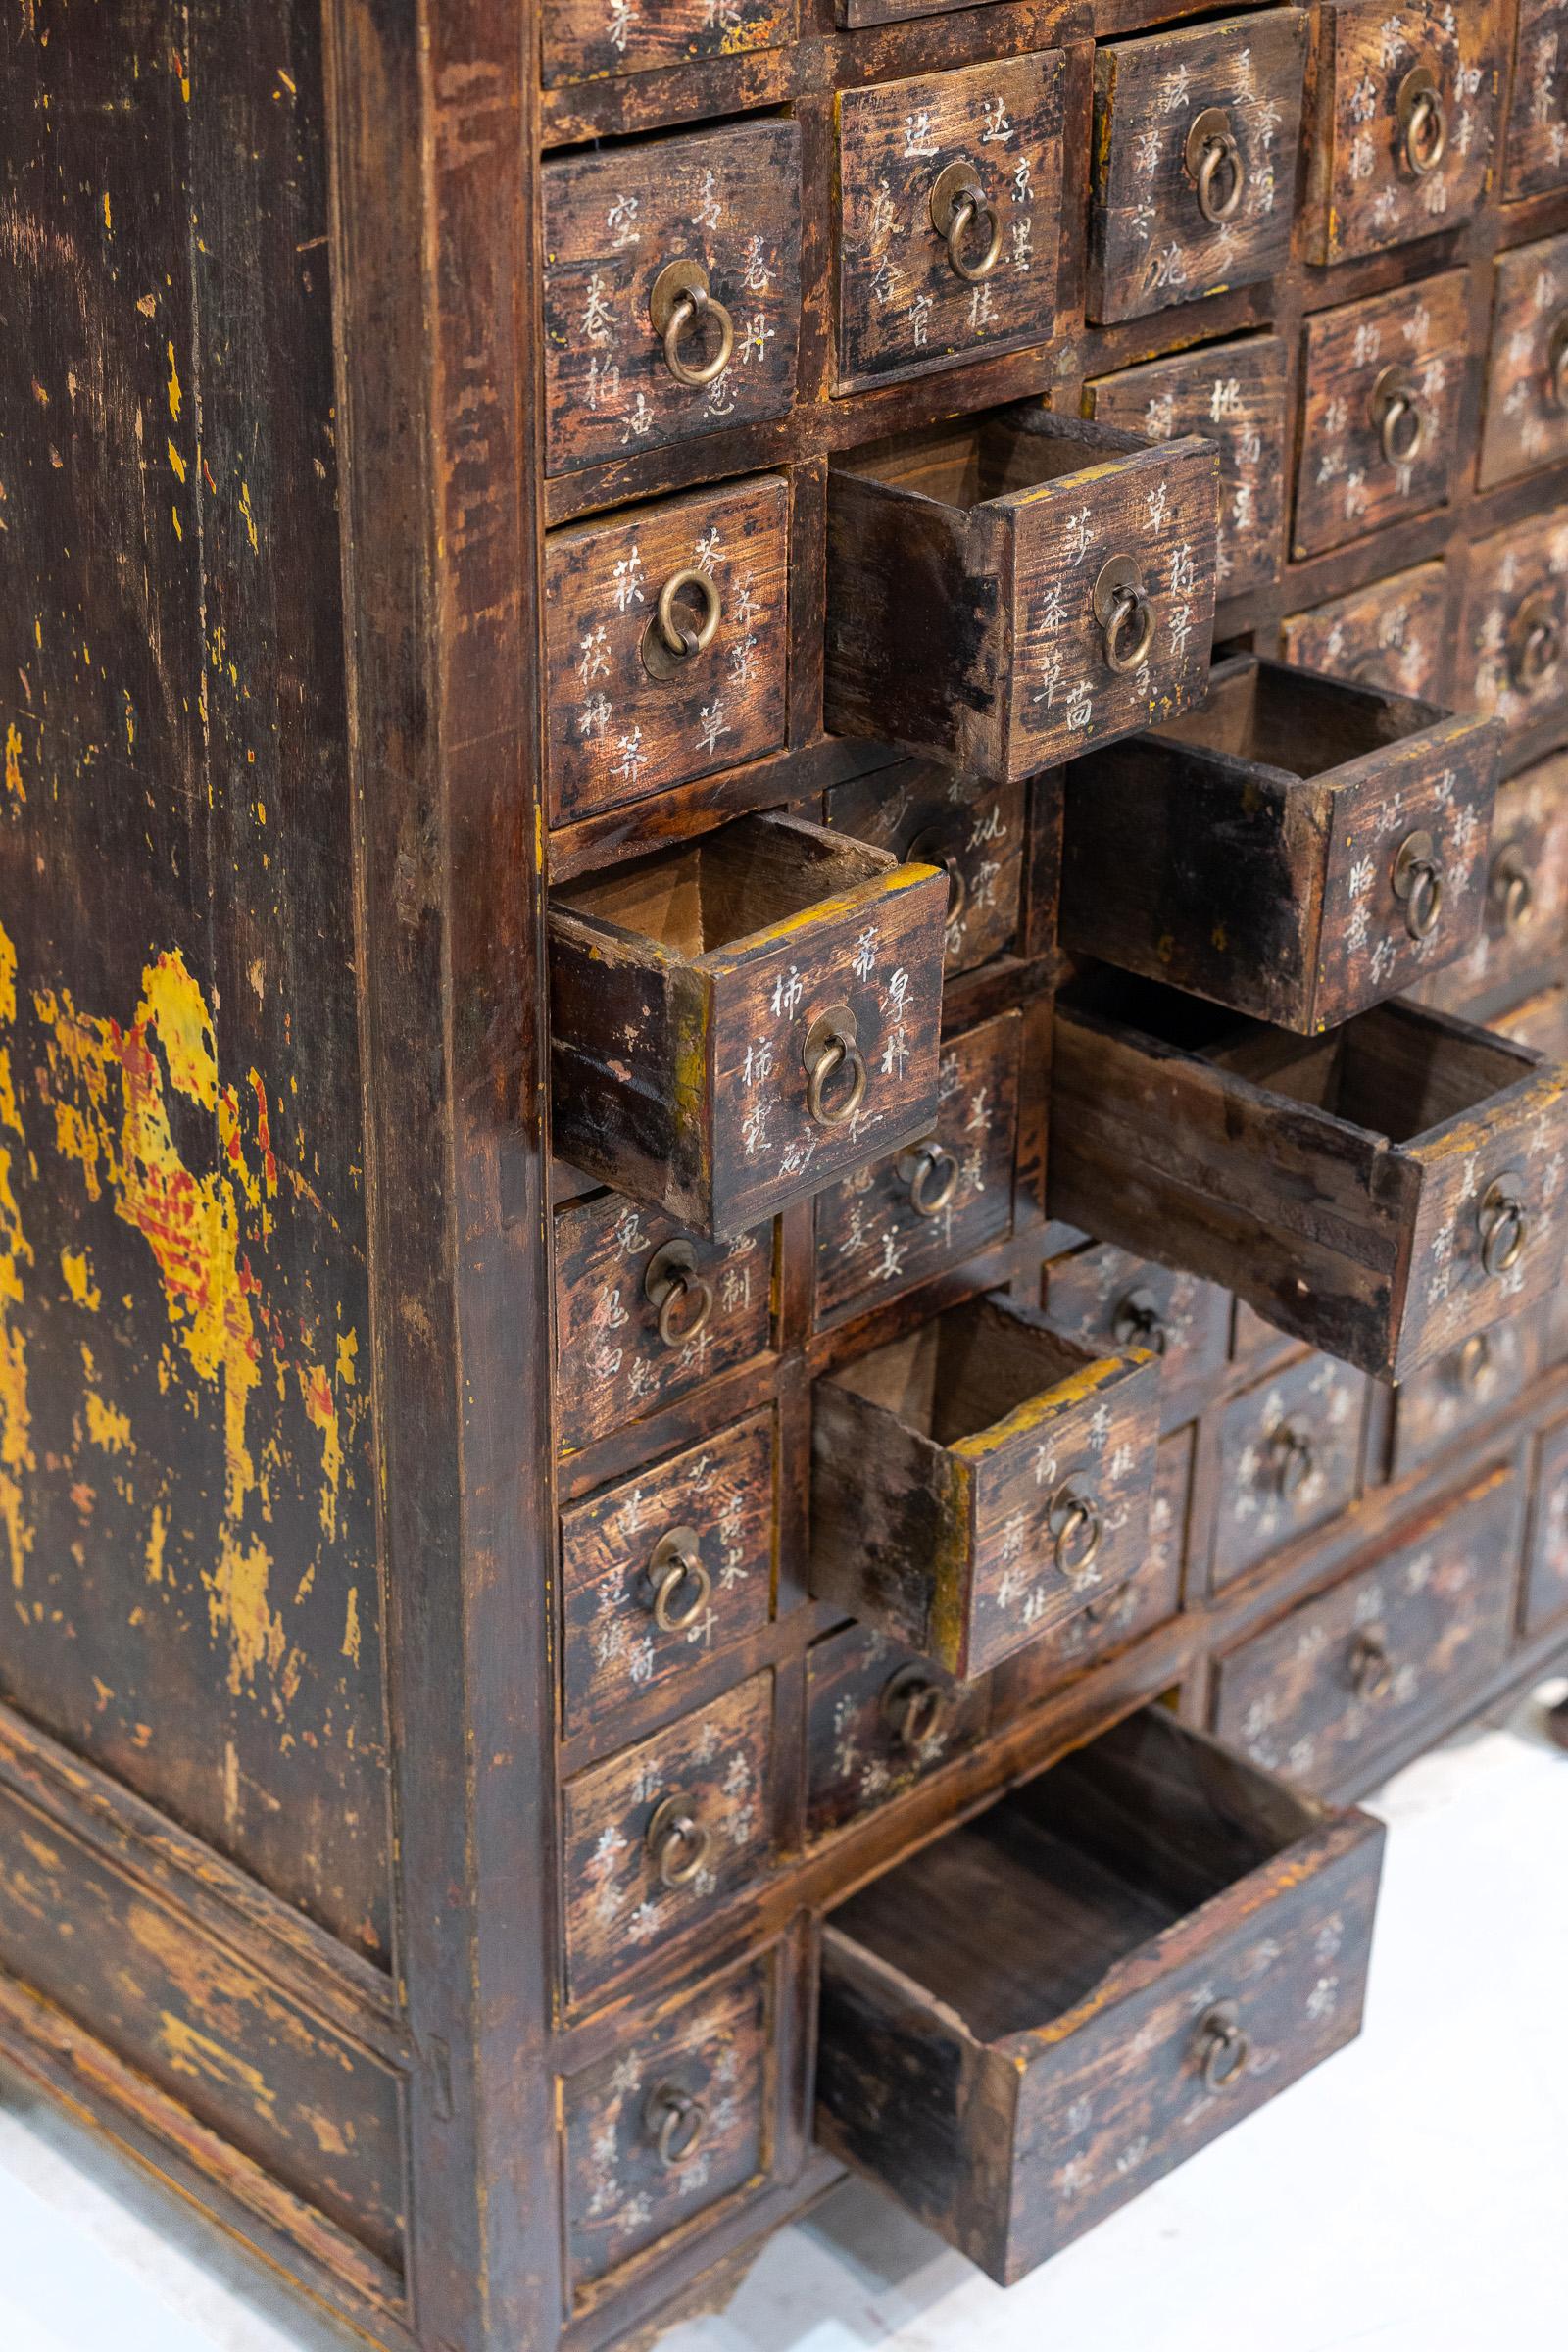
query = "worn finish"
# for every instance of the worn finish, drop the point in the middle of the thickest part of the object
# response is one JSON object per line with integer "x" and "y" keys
{"x": 1513, "y": 624}
{"x": 1526, "y": 419}
{"x": 1289, "y": 1458}
{"x": 1537, "y": 158}
{"x": 1365, "y": 462}
{"x": 878, "y": 1721}
{"x": 1481, "y": 1380}
{"x": 1106, "y": 1298}
{"x": 974, "y": 831}
{"x": 1397, "y": 633}
{"x": 1523, "y": 924}
{"x": 1546, "y": 1589}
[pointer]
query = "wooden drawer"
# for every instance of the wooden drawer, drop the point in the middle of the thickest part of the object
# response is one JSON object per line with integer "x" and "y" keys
{"x": 1396, "y": 633}
{"x": 878, "y": 1720}
{"x": 1545, "y": 1594}
{"x": 1538, "y": 1020}
{"x": 737, "y": 1021}
{"x": 1194, "y": 144}
{"x": 1026, "y": 2023}
{"x": 665, "y": 1571}
{"x": 1380, "y": 1193}
{"x": 646, "y": 1312}
{"x": 1525, "y": 908}
{"x": 1298, "y": 849}
{"x": 974, "y": 831}
{"x": 661, "y": 1837}
{"x": 1107, "y": 1299}
{"x": 1474, "y": 1384}
{"x": 1234, "y": 395}
{"x": 979, "y": 1481}
{"x": 894, "y": 1224}
{"x": 1536, "y": 157}
{"x": 594, "y": 40}
{"x": 1404, "y": 120}
{"x": 1007, "y": 589}
{"x": 1290, "y": 1459}
{"x": 666, "y": 2127}
{"x": 666, "y": 645}
{"x": 1526, "y": 422}
{"x": 1382, "y": 407}
{"x": 1318, "y": 1695}
{"x": 663, "y": 257}
{"x": 1513, "y": 657}
{"x": 950, "y": 217}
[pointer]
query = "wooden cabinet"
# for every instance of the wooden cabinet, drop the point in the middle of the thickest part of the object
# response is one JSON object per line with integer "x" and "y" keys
{"x": 1527, "y": 362}
{"x": 1537, "y": 158}
{"x": 1513, "y": 624}
{"x": 1382, "y": 412}
{"x": 1397, "y": 632}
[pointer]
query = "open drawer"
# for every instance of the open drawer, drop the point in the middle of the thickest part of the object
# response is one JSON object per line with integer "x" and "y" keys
{"x": 1033, "y": 2019}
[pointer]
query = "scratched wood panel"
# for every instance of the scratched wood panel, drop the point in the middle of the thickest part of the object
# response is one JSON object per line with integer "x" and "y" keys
{"x": 1525, "y": 919}
{"x": 1526, "y": 419}
{"x": 1106, "y": 1298}
{"x": 878, "y": 1720}
{"x": 1462, "y": 1392}
{"x": 728, "y": 200}
{"x": 187, "y": 1492}
{"x": 1150, "y": 240}
{"x": 1513, "y": 624}
{"x": 974, "y": 831}
{"x": 1545, "y": 1592}
{"x": 1537, "y": 158}
{"x": 585, "y": 40}
{"x": 906, "y": 304}
{"x": 625, "y": 718}
{"x": 1398, "y": 632}
{"x": 1290, "y": 1459}
{"x": 1352, "y": 476}
{"x": 1374, "y": 179}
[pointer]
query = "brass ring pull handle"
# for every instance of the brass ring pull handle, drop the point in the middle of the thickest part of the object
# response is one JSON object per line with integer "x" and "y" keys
{"x": 677, "y": 1843}
{"x": 1503, "y": 1223}
{"x": 1293, "y": 1461}
{"x": 931, "y": 1172}
{"x": 675, "y": 2123}
{"x": 679, "y": 638}
{"x": 1137, "y": 1322}
{"x": 831, "y": 1055}
{"x": 913, "y": 1706}
{"x": 1371, "y": 1666}
{"x": 1557, "y": 362}
{"x": 680, "y": 300}
{"x": 1473, "y": 1369}
{"x": 1510, "y": 886}
{"x": 1423, "y": 120}
{"x": 669, "y": 1284}
{"x": 677, "y": 1561}
{"x": 1534, "y": 642}
{"x": 1214, "y": 162}
{"x": 1077, "y": 1533}
{"x": 1397, "y": 416}
{"x": 1126, "y": 612}
{"x": 958, "y": 204}
{"x": 1223, "y": 2046}
{"x": 1368, "y": 670}
{"x": 1418, "y": 884}
{"x": 929, "y": 849}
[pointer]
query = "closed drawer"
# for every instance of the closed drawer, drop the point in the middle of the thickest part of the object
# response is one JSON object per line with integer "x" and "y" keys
{"x": 1474, "y": 1384}
{"x": 878, "y": 1720}
{"x": 666, "y": 2127}
{"x": 974, "y": 831}
{"x": 594, "y": 40}
{"x": 1289, "y": 1458}
{"x": 736, "y": 1022}
{"x": 1538, "y": 1020}
{"x": 1231, "y": 394}
{"x": 1005, "y": 590}
{"x": 1107, "y": 1299}
{"x": 1513, "y": 627}
{"x": 1527, "y": 366}
{"x": 1545, "y": 1596}
{"x": 661, "y": 1837}
{"x": 894, "y": 1224}
{"x": 950, "y": 216}
{"x": 1538, "y": 108}
{"x": 647, "y": 1311}
{"x": 1381, "y": 420}
{"x": 1524, "y": 925}
{"x": 1321, "y": 1693}
{"x": 1033, "y": 2019}
{"x": 1405, "y": 121}
{"x": 666, "y": 645}
{"x": 665, "y": 1571}
{"x": 979, "y": 1481}
{"x": 673, "y": 289}
{"x": 1396, "y": 633}
{"x": 1380, "y": 1193}
{"x": 1298, "y": 849}
{"x": 1195, "y": 136}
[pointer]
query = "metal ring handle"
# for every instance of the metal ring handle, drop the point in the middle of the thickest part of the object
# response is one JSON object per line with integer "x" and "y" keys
{"x": 1136, "y": 1321}
{"x": 1402, "y": 422}
{"x": 1509, "y": 887}
{"x": 1534, "y": 642}
{"x": 920, "y": 1166}
{"x": 1557, "y": 362}
{"x": 675, "y": 2123}
{"x": 1418, "y": 883}
{"x": 1120, "y": 597}
{"x": 1294, "y": 1459}
{"x": 681, "y": 297}
{"x": 677, "y": 1560}
{"x": 683, "y": 643}
{"x": 832, "y": 1047}
{"x": 958, "y": 201}
{"x": 677, "y": 1843}
{"x": 1210, "y": 152}
{"x": 1423, "y": 119}
{"x": 912, "y": 1707}
{"x": 1473, "y": 1366}
{"x": 1503, "y": 1222}
{"x": 1371, "y": 1666}
{"x": 928, "y": 848}
{"x": 1077, "y": 1533}
{"x": 670, "y": 1279}
{"x": 1224, "y": 2046}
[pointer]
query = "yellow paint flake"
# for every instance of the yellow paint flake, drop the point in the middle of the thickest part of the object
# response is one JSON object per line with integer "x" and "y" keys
{"x": 248, "y": 516}
{"x": 76, "y": 1268}
{"x": 17, "y": 1459}
{"x": 191, "y": 2052}
{"x": 14, "y": 783}
{"x": 320, "y": 1410}
{"x": 108, "y": 1428}
{"x": 177, "y": 462}
{"x": 109, "y": 218}
{"x": 237, "y": 1606}
{"x": 9, "y": 1116}
{"x": 348, "y": 1349}
{"x": 176, "y": 393}
{"x": 157, "y": 1537}
{"x": 351, "y": 1627}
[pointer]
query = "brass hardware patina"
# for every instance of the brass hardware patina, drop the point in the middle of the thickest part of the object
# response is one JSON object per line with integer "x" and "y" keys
{"x": 679, "y": 302}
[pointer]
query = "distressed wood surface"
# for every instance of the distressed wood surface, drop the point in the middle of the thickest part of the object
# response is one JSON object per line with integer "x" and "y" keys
{"x": 1545, "y": 1591}
{"x": 1104, "y": 1298}
{"x": 1524, "y": 925}
{"x": 1289, "y": 1458}
{"x": 860, "y": 1756}
{"x": 1475, "y": 1384}
{"x": 583, "y": 40}
{"x": 1397, "y": 632}
{"x": 1525, "y": 423}
{"x": 1516, "y": 576}
{"x": 1537, "y": 158}
{"x": 974, "y": 831}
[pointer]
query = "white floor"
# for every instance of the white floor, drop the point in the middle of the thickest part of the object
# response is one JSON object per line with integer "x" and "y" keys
{"x": 1412, "y": 2196}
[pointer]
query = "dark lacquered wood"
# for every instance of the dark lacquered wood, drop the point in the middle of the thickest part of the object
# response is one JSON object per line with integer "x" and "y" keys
{"x": 1397, "y": 632}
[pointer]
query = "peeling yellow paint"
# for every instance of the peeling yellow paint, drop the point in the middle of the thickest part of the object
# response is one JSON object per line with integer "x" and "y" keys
{"x": 76, "y": 1268}
{"x": 348, "y": 1349}
{"x": 351, "y": 1627}
{"x": 108, "y": 1428}
{"x": 249, "y": 518}
{"x": 14, "y": 782}
{"x": 191, "y": 2052}
{"x": 157, "y": 1537}
{"x": 175, "y": 394}
{"x": 17, "y": 1459}
{"x": 177, "y": 462}
{"x": 237, "y": 1605}
{"x": 320, "y": 1410}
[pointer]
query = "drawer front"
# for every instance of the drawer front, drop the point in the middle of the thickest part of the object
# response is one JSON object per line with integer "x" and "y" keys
{"x": 1385, "y": 395}
{"x": 950, "y": 205}
{"x": 615, "y": 1263}
{"x": 1408, "y": 101}
{"x": 900, "y": 1220}
{"x": 625, "y": 714}
{"x": 974, "y": 831}
{"x": 1196, "y": 135}
{"x": 1538, "y": 1020}
{"x": 1231, "y": 394}
{"x": 1513, "y": 631}
{"x": 1538, "y": 112}
{"x": 727, "y": 204}
{"x": 1525, "y": 915}
{"x": 878, "y": 1720}
{"x": 1461, "y": 1392}
{"x": 1109, "y": 1298}
{"x": 665, "y": 1570}
{"x": 1526, "y": 421}
{"x": 659, "y": 1838}
{"x": 1317, "y": 1695}
{"x": 1289, "y": 1456}
{"x": 1546, "y": 1598}
{"x": 592, "y": 40}
{"x": 1397, "y": 633}
{"x": 664, "y": 2127}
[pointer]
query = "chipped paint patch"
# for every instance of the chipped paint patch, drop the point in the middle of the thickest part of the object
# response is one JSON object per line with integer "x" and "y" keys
{"x": 13, "y": 768}
{"x": 17, "y": 1459}
{"x": 81, "y": 1288}
{"x": 351, "y": 1626}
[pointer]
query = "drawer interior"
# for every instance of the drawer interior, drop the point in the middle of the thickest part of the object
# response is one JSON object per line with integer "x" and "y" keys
{"x": 742, "y": 879}
{"x": 988, "y": 456}
{"x": 962, "y": 1371}
{"x": 1292, "y": 720}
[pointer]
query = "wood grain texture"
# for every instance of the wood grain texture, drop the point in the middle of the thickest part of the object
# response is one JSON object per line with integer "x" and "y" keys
{"x": 1524, "y": 925}
{"x": 1289, "y": 1458}
{"x": 1397, "y": 632}
{"x": 1458, "y": 1392}
{"x": 1102, "y": 1296}
{"x": 1525, "y": 423}
{"x": 1515, "y": 577}
{"x": 583, "y": 40}
{"x": 974, "y": 831}
{"x": 1345, "y": 485}
{"x": 1536, "y": 156}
